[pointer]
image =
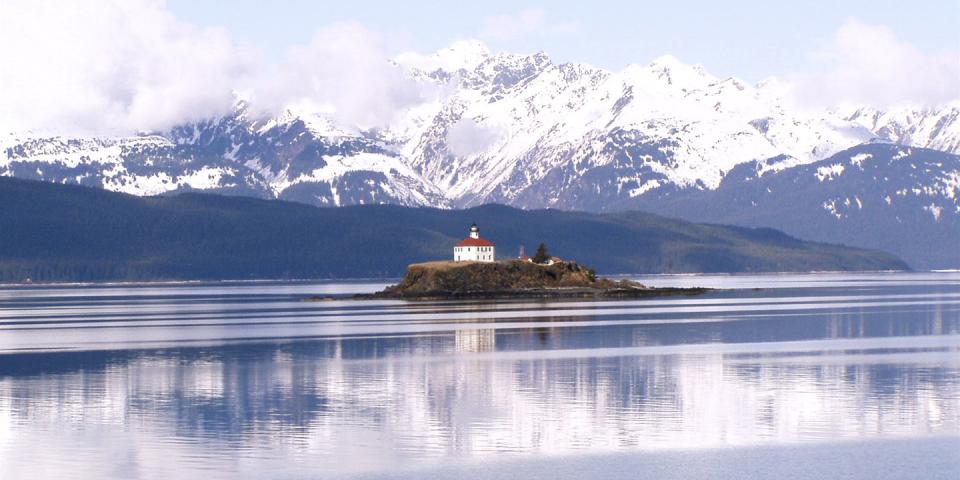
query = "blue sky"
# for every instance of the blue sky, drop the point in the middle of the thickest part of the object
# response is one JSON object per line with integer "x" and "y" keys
{"x": 749, "y": 39}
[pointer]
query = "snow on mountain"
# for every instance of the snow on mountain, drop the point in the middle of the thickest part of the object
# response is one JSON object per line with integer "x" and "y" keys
{"x": 295, "y": 156}
{"x": 903, "y": 200}
{"x": 545, "y": 127}
{"x": 502, "y": 127}
{"x": 937, "y": 128}
{"x": 461, "y": 55}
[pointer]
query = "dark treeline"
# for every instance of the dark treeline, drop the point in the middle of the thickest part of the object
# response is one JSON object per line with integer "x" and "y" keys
{"x": 51, "y": 232}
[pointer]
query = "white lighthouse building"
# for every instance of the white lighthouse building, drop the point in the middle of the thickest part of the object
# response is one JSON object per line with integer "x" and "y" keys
{"x": 474, "y": 248}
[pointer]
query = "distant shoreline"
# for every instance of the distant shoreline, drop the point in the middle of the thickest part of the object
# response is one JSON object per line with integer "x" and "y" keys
{"x": 389, "y": 279}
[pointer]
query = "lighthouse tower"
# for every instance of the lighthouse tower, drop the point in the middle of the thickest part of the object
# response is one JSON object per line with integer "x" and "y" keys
{"x": 474, "y": 249}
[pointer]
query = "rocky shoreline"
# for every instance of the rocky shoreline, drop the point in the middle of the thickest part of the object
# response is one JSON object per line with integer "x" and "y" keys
{"x": 513, "y": 279}
{"x": 544, "y": 293}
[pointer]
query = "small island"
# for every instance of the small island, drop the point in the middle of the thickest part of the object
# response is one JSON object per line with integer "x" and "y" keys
{"x": 514, "y": 279}
{"x": 474, "y": 272}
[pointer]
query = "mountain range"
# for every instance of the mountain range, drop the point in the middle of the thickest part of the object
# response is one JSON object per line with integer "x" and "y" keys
{"x": 881, "y": 196}
{"x": 528, "y": 132}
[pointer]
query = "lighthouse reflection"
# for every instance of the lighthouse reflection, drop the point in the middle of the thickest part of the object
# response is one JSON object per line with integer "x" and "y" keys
{"x": 479, "y": 340}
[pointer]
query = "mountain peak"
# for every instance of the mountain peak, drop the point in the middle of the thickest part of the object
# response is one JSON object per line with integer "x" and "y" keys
{"x": 460, "y": 55}
{"x": 466, "y": 49}
{"x": 669, "y": 72}
{"x": 666, "y": 60}
{"x": 671, "y": 63}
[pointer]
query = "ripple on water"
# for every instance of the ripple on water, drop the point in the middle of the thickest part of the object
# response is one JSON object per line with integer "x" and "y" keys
{"x": 219, "y": 381}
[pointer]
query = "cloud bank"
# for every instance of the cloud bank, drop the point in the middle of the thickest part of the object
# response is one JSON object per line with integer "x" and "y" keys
{"x": 867, "y": 65}
{"x": 344, "y": 71}
{"x": 122, "y": 66}
{"x": 105, "y": 66}
{"x": 467, "y": 137}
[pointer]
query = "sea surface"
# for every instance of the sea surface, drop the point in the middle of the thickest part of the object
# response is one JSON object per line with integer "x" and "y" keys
{"x": 772, "y": 376}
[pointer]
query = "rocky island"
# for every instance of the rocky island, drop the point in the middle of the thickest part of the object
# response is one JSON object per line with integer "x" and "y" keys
{"x": 515, "y": 279}
{"x": 474, "y": 272}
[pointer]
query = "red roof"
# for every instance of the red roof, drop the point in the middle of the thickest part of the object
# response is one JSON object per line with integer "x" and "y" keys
{"x": 475, "y": 242}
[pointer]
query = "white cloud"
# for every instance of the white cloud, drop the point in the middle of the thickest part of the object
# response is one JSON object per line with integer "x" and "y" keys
{"x": 531, "y": 21}
{"x": 867, "y": 65}
{"x": 120, "y": 66}
{"x": 106, "y": 66}
{"x": 344, "y": 71}
{"x": 467, "y": 137}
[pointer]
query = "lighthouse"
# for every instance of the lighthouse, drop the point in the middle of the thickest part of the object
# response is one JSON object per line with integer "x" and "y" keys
{"x": 474, "y": 248}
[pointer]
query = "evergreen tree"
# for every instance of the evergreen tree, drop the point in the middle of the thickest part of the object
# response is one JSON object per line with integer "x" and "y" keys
{"x": 542, "y": 256}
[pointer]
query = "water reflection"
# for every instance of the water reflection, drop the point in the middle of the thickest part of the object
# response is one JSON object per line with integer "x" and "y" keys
{"x": 579, "y": 383}
{"x": 335, "y": 399}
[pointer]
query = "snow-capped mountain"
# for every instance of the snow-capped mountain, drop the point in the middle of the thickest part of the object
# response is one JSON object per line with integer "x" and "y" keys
{"x": 500, "y": 127}
{"x": 937, "y": 128}
{"x": 903, "y": 200}
{"x": 572, "y": 136}
{"x": 294, "y": 156}
{"x": 508, "y": 128}
{"x": 539, "y": 134}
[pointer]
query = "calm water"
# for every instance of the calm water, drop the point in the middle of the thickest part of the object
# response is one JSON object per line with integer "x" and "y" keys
{"x": 821, "y": 375}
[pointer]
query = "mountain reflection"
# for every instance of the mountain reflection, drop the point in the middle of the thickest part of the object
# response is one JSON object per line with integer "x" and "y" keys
{"x": 386, "y": 391}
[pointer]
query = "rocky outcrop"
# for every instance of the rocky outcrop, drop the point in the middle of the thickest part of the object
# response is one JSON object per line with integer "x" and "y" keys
{"x": 514, "y": 279}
